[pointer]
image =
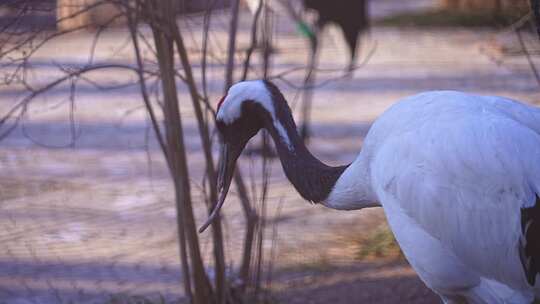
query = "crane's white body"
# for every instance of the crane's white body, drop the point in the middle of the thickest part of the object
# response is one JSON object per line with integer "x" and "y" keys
{"x": 452, "y": 172}
{"x": 458, "y": 176}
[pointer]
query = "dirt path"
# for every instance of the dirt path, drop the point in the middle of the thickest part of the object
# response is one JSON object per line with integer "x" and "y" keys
{"x": 363, "y": 282}
{"x": 81, "y": 224}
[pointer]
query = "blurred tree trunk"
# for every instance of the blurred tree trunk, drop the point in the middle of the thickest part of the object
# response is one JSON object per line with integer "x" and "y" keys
{"x": 68, "y": 16}
{"x": 74, "y": 14}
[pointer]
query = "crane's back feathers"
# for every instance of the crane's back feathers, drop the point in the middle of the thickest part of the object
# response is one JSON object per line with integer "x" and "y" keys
{"x": 466, "y": 170}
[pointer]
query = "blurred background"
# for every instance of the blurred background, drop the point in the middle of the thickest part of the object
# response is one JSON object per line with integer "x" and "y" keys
{"x": 108, "y": 150}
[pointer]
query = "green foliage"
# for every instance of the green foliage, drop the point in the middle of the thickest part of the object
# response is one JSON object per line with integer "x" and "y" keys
{"x": 449, "y": 18}
{"x": 379, "y": 244}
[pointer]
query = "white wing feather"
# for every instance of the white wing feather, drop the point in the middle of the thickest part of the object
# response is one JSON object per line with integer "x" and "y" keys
{"x": 461, "y": 167}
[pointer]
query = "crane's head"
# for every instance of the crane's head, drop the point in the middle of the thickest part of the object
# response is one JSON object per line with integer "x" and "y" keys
{"x": 247, "y": 108}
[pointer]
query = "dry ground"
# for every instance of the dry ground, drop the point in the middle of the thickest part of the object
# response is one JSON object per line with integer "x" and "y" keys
{"x": 97, "y": 219}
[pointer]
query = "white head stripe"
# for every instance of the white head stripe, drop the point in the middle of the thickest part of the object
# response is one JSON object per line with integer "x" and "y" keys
{"x": 256, "y": 91}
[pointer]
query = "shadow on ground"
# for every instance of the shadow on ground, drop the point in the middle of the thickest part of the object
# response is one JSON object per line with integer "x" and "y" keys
{"x": 382, "y": 283}
{"x": 373, "y": 282}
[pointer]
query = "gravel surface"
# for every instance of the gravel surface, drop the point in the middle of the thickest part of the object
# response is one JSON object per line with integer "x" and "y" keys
{"x": 97, "y": 219}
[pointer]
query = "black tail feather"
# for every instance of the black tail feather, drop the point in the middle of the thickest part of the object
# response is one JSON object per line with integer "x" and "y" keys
{"x": 529, "y": 245}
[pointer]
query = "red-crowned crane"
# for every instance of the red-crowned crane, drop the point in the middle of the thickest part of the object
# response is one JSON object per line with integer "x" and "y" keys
{"x": 458, "y": 176}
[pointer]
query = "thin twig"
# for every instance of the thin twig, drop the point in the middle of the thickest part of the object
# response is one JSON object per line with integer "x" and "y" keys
{"x": 528, "y": 56}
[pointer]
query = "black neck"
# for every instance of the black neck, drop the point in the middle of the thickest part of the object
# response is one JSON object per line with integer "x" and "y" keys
{"x": 313, "y": 179}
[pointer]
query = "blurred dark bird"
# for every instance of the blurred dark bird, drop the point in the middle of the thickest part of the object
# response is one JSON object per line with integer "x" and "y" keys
{"x": 350, "y": 15}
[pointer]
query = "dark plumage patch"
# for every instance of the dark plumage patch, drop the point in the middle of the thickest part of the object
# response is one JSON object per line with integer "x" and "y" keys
{"x": 312, "y": 179}
{"x": 220, "y": 102}
{"x": 529, "y": 244}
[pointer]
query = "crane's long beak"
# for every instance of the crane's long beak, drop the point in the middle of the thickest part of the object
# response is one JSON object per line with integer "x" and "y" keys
{"x": 227, "y": 162}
